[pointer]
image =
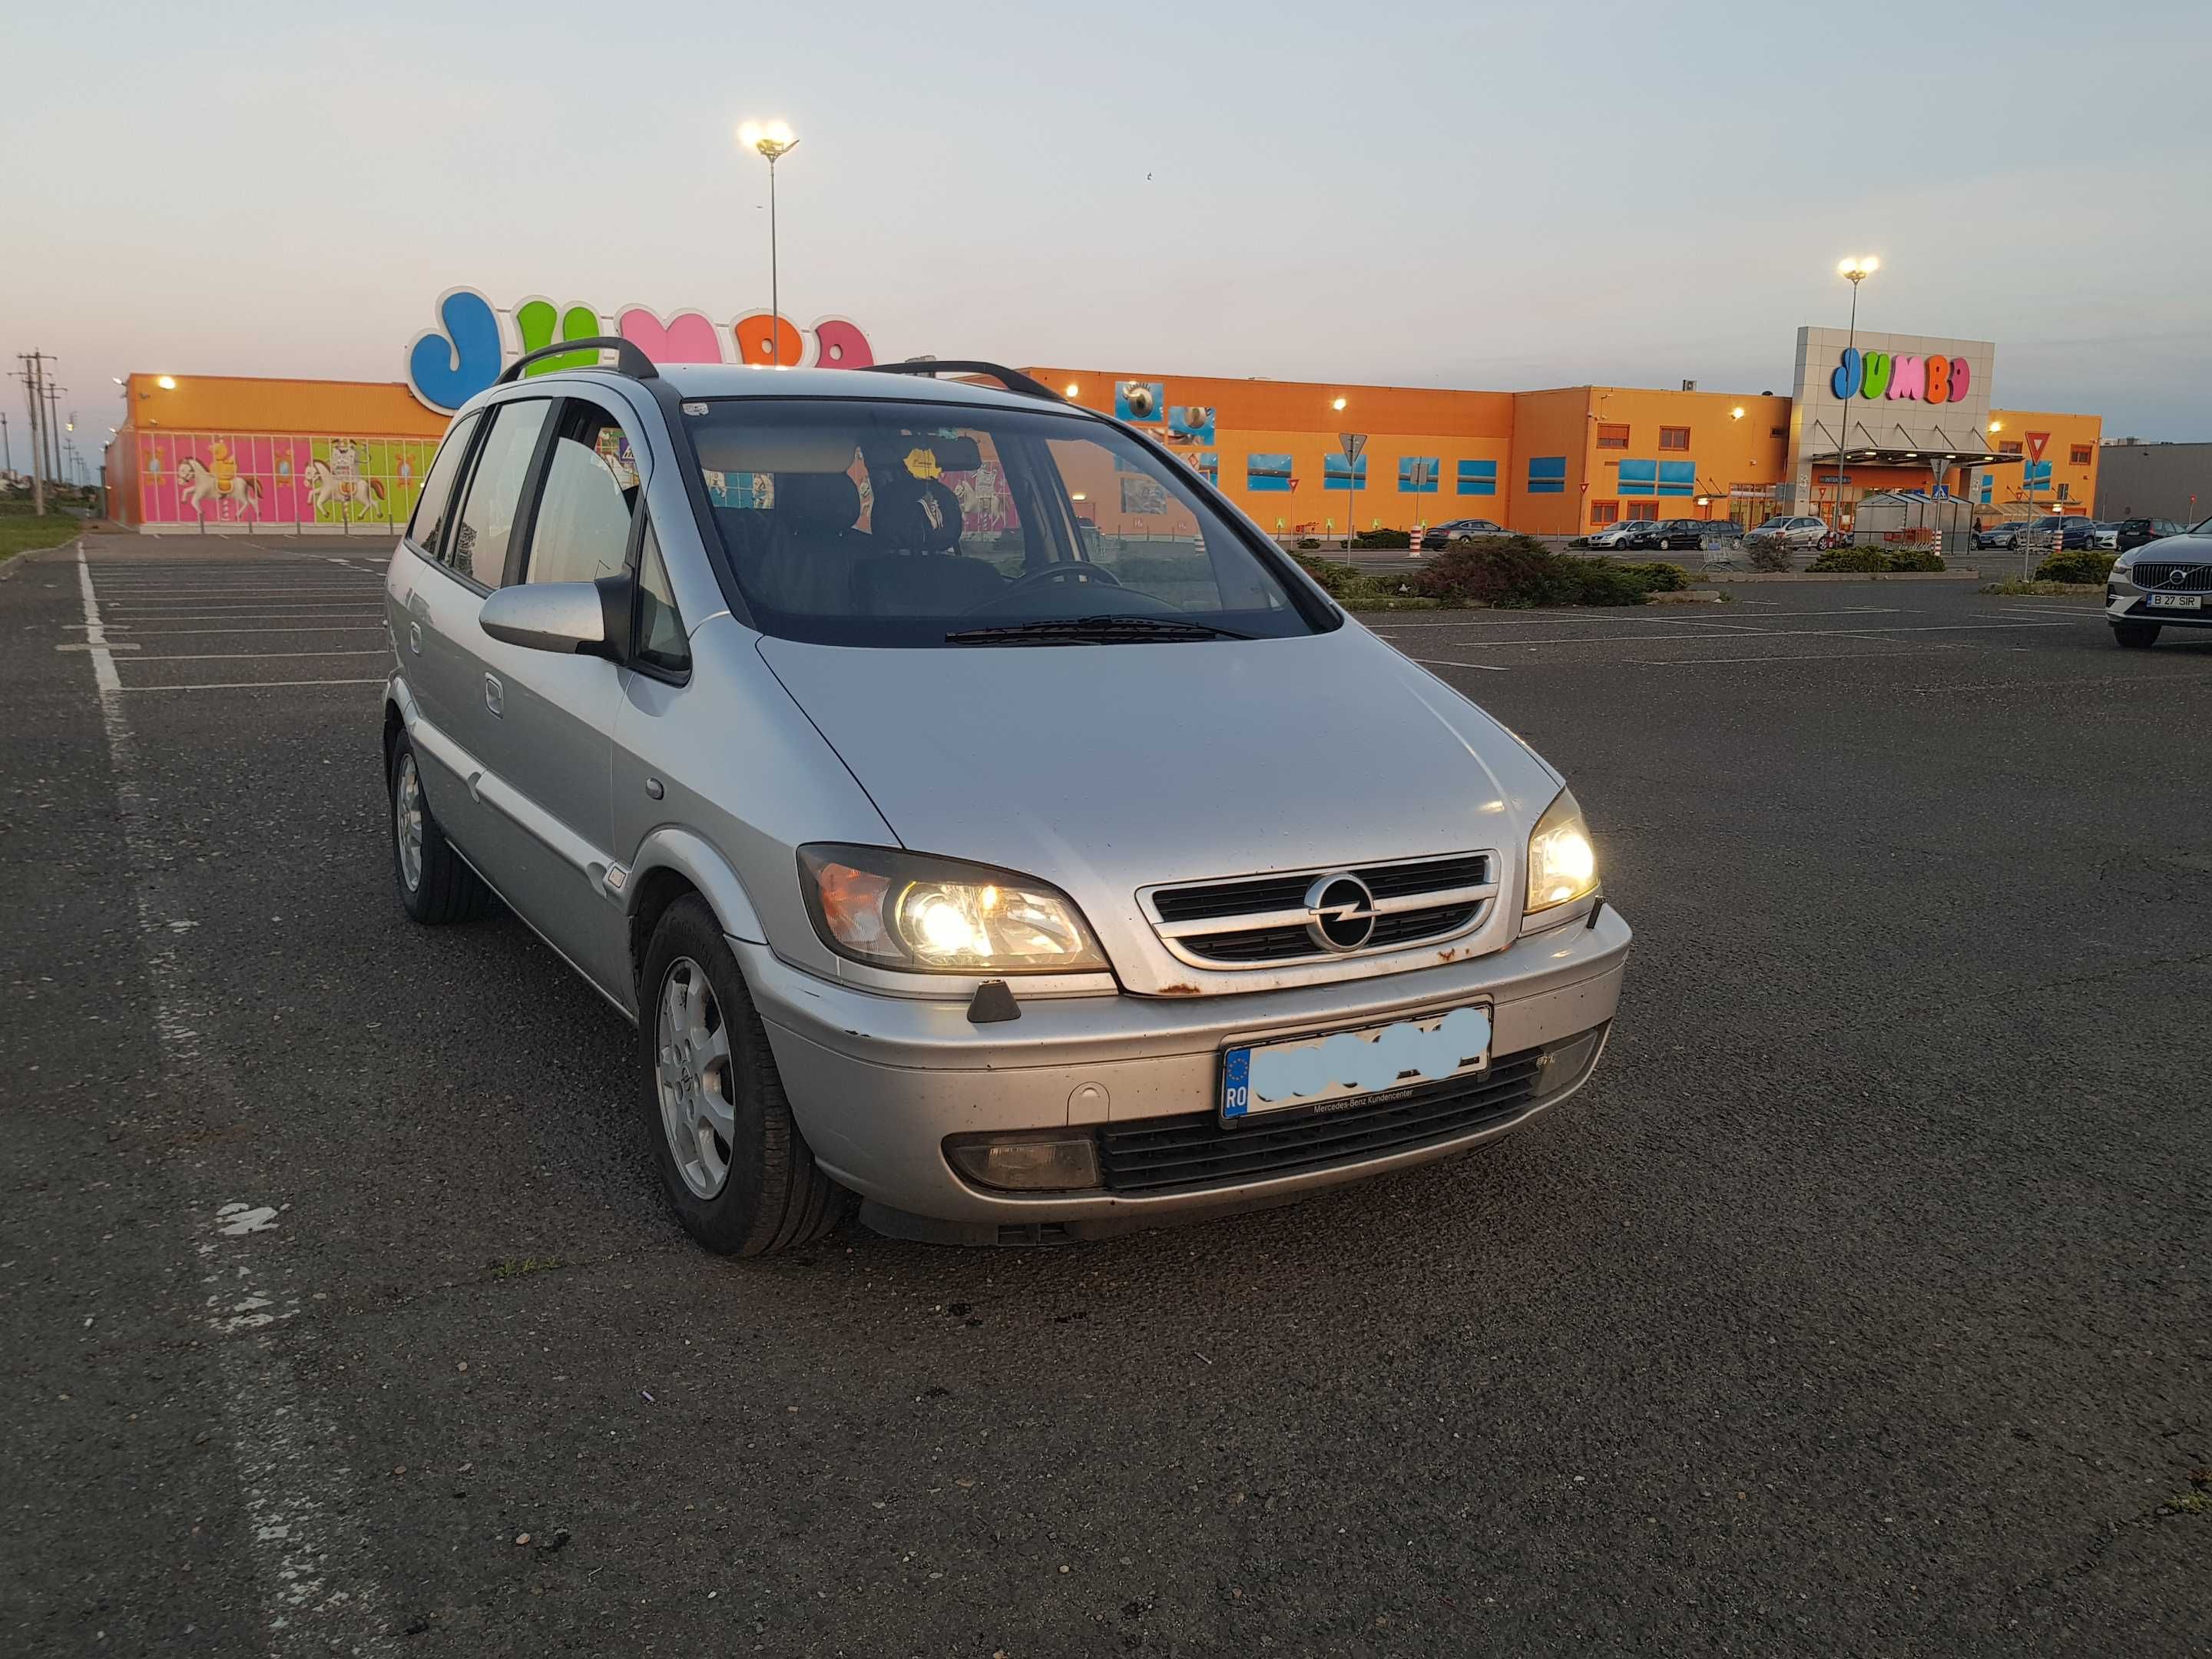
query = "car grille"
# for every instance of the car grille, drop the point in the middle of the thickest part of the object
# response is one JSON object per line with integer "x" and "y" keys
{"x": 1186, "y": 1153}
{"x": 1262, "y": 919}
{"x": 2167, "y": 578}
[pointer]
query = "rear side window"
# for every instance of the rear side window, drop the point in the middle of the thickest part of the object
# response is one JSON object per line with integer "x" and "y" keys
{"x": 487, "y": 520}
{"x": 581, "y": 532}
{"x": 427, "y": 527}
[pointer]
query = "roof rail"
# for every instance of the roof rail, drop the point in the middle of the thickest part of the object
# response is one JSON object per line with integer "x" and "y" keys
{"x": 1012, "y": 379}
{"x": 628, "y": 358}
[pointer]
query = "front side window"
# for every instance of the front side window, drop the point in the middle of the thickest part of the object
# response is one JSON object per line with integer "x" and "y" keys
{"x": 487, "y": 521}
{"x": 581, "y": 532}
{"x": 887, "y": 523}
{"x": 428, "y": 526}
{"x": 660, "y": 641}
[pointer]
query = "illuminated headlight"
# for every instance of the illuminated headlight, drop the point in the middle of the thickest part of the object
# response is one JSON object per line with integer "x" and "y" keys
{"x": 1562, "y": 863}
{"x": 894, "y": 909}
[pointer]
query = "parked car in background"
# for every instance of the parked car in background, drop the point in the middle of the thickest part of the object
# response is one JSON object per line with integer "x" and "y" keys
{"x": 2077, "y": 532}
{"x": 2003, "y": 533}
{"x": 2166, "y": 583}
{"x": 1624, "y": 535}
{"x": 1458, "y": 530}
{"x": 1696, "y": 534}
{"x": 652, "y": 686}
{"x": 2130, "y": 533}
{"x": 2104, "y": 535}
{"x": 1793, "y": 531}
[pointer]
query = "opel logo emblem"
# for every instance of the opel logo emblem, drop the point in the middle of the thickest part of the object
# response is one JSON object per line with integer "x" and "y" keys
{"x": 1340, "y": 912}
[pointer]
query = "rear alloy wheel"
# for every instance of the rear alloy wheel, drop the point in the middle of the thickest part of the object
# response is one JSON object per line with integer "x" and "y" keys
{"x": 739, "y": 1173}
{"x": 435, "y": 884}
{"x": 2135, "y": 635}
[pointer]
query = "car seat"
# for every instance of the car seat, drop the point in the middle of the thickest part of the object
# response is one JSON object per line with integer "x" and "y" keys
{"x": 811, "y": 547}
{"x": 917, "y": 569}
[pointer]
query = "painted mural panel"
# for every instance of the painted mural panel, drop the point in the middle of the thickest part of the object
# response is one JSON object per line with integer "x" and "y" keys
{"x": 279, "y": 478}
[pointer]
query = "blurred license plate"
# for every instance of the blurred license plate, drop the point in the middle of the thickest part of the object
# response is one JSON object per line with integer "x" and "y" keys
{"x": 2175, "y": 602}
{"x": 1327, "y": 1073}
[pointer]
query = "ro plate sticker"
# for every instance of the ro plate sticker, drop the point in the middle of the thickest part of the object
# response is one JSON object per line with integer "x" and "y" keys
{"x": 1236, "y": 1083}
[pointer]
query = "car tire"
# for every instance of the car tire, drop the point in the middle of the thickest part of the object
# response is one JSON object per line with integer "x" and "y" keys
{"x": 436, "y": 886}
{"x": 2135, "y": 635}
{"x": 737, "y": 1172}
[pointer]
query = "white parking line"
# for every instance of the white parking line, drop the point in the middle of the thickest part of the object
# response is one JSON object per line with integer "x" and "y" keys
{"x": 1447, "y": 662}
{"x": 256, "y": 656}
{"x": 249, "y": 685}
{"x": 320, "y": 1593}
{"x": 1553, "y": 615}
{"x": 181, "y": 633}
{"x": 1786, "y": 656}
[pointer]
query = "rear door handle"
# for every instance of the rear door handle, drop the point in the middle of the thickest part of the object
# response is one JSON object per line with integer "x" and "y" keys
{"x": 415, "y": 637}
{"x": 494, "y": 695}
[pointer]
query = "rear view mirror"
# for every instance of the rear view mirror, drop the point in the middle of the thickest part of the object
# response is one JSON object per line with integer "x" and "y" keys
{"x": 583, "y": 619}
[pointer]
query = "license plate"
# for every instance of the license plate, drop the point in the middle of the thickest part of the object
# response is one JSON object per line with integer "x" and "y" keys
{"x": 2175, "y": 602}
{"x": 1329, "y": 1073}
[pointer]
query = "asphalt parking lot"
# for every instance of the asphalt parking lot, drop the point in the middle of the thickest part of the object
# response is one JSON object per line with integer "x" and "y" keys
{"x": 1859, "y": 1305}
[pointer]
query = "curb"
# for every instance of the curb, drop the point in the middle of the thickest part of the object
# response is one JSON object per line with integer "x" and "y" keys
{"x": 9, "y": 567}
{"x": 1840, "y": 576}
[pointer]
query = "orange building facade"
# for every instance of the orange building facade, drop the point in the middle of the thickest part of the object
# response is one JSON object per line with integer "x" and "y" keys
{"x": 230, "y": 453}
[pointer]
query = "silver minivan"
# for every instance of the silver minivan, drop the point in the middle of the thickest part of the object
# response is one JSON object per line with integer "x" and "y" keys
{"x": 981, "y": 821}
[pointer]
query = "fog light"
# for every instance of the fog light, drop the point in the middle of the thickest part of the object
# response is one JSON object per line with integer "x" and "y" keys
{"x": 1043, "y": 1161}
{"x": 1563, "y": 1064}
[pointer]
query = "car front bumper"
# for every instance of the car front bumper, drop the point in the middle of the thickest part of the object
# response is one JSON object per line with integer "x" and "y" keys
{"x": 878, "y": 1082}
{"x": 2126, "y": 601}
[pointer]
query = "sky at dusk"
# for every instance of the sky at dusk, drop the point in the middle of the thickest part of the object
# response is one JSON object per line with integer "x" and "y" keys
{"x": 1456, "y": 195}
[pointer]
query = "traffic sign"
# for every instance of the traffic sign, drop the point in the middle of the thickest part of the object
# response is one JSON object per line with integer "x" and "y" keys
{"x": 1942, "y": 492}
{"x": 1352, "y": 443}
{"x": 2035, "y": 443}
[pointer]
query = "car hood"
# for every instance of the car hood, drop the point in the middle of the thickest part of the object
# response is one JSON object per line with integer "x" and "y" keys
{"x": 2173, "y": 549}
{"x": 1106, "y": 768}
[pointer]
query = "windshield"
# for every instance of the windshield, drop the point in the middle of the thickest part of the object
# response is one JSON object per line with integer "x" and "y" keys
{"x": 853, "y": 522}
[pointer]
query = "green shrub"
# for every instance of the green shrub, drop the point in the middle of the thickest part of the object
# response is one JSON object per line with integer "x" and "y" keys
{"x": 1878, "y": 561}
{"x": 2078, "y": 564}
{"x": 1309, "y": 541}
{"x": 1657, "y": 577}
{"x": 1381, "y": 540}
{"x": 1517, "y": 572}
{"x": 1771, "y": 555}
{"x": 1488, "y": 570}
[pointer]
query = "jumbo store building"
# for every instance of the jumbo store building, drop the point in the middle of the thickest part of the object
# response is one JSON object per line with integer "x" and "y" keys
{"x": 1566, "y": 461}
{"x": 210, "y": 454}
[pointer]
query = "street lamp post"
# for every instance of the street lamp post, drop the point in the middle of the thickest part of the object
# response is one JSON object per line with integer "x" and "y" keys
{"x": 774, "y": 141}
{"x": 1854, "y": 270}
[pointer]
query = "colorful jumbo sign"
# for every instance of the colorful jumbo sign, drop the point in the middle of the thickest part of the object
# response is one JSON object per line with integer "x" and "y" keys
{"x": 448, "y": 365}
{"x": 1920, "y": 379}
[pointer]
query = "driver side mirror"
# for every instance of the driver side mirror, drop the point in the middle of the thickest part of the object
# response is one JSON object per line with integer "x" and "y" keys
{"x": 583, "y": 619}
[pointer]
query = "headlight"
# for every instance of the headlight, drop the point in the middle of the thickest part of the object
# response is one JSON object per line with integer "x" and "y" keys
{"x": 1562, "y": 863}
{"x": 894, "y": 909}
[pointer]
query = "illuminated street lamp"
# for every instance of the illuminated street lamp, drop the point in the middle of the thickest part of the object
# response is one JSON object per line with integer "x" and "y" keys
{"x": 166, "y": 382}
{"x": 773, "y": 141}
{"x": 1338, "y": 405}
{"x": 1736, "y": 414}
{"x": 1854, "y": 270}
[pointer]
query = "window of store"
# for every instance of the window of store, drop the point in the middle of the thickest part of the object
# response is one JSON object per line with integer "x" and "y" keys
{"x": 2009, "y": 447}
{"x": 1604, "y": 512}
{"x": 1640, "y": 478}
{"x": 2080, "y": 454}
{"x": 1674, "y": 437}
{"x": 1548, "y": 475}
{"x": 2065, "y": 492}
{"x": 1478, "y": 477}
{"x": 1417, "y": 474}
{"x": 1612, "y": 437}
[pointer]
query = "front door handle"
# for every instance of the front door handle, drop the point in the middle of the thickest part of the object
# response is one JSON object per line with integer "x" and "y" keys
{"x": 494, "y": 695}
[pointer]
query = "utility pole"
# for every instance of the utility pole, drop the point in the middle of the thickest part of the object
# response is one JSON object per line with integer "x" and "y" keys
{"x": 33, "y": 362}
{"x": 53, "y": 435}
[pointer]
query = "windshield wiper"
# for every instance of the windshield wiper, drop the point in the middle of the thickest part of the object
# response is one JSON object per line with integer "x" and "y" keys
{"x": 1090, "y": 630}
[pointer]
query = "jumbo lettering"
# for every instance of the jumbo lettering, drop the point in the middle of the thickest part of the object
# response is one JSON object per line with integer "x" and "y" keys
{"x": 1873, "y": 374}
{"x": 448, "y": 365}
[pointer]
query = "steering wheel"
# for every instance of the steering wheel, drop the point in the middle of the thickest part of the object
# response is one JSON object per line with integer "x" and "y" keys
{"x": 1067, "y": 570}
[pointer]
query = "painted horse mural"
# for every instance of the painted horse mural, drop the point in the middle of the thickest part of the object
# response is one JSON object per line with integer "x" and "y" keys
{"x": 199, "y": 485}
{"x": 349, "y": 497}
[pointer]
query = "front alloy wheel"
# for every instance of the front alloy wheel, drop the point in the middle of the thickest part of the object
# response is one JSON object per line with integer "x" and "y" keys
{"x": 692, "y": 1044}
